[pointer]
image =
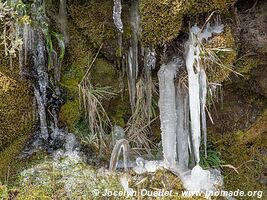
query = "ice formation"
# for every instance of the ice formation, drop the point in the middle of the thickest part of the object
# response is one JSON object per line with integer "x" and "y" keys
{"x": 199, "y": 179}
{"x": 132, "y": 55}
{"x": 143, "y": 166}
{"x": 125, "y": 185}
{"x": 182, "y": 136}
{"x": 121, "y": 145}
{"x": 182, "y": 113}
{"x": 117, "y": 7}
{"x": 62, "y": 20}
{"x": 167, "y": 107}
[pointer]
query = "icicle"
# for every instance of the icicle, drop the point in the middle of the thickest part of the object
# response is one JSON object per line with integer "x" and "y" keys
{"x": 131, "y": 77}
{"x": 182, "y": 126}
{"x": 135, "y": 21}
{"x": 203, "y": 96}
{"x": 62, "y": 19}
{"x": 117, "y": 7}
{"x": 42, "y": 115}
{"x": 121, "y": 145}
{"x": 168, "y": 115}
{"x": 194, "y": 102}
{"x": 198, "y": 179}
{"x": 150, "y": 58}
{"x": 133, "y": 53}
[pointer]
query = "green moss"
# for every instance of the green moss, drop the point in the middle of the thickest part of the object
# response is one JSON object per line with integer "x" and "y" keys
{"x": 243, "y": 150}
{"x": 246, "y": 64}
{"x": 218, "y": 73}
{"x": 95, "y": 18}
{"x": 103, "y": 73}
{"x": 16, "y": 110}
{"x": 161, "y": 20}
{"x": 69, "y": 113}
{"x": 16, "y": 114}
{"x": 160, "y": 25}
{"x": 192, "y": 7}
{"x": 8, "y": 156}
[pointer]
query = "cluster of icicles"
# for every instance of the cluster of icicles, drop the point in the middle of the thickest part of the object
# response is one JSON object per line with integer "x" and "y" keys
{"x": 34, "y": 49}
{"x": 182, "y": 113}
{"x": 182, "y": 106}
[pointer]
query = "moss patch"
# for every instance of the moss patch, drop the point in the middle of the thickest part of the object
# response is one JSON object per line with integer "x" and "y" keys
{"x": 69, "y": 113}
{"x": 160, "y": 25}
{"x": 161, "y": 20}
{"x": 245, "y": 151}
{"x": 246, "y": 64}
{"x": 16, "y": 113}
{"x": 193, "y": 7}
{"x": 219, "y": 73}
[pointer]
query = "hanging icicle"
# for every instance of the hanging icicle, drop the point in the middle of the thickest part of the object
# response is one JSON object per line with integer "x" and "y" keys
{"x": 132, "y": 55}
{"x": 168, "y": 115}
{"x": 182, "y": 137}
{"x": 117, "y": 7}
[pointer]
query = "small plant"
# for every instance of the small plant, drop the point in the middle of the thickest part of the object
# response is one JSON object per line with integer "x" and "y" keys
{"x": 213, "y": 158}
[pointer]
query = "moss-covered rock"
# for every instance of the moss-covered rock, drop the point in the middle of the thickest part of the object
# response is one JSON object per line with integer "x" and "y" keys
{"x": 246, "y": 151}
{"x": 161, "y": 20}
{"x": 193, "y": 7}
{"x": 95, "y": 21}
{"x": 160, "y": 25}
{"x": 16, "y": 113}
{"x": 68, "y": 177}
{"x": 217, "y": 73}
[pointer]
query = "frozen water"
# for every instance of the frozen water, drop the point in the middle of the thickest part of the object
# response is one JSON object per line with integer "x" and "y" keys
{"x": 182, "y": 126}
{"x": 203, "y": 96}
{"x": 121, "y": 145}
{"x": 132, "y": 58}
{"x": 200, "y": 180}
{"x": 118, "y": 133}
{"x": 168, "y": 115}
{"x": 143, "y": 166}
{"x": 117, "y": 7}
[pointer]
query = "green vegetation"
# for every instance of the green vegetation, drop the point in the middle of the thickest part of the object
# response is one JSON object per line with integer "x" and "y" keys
{"x": 160, "y": 25}
{"x": 16, "y": 113}
{"x": 220, "y": 64}
{"x": 162, "y": 20}
{"x": 244, "y": 151}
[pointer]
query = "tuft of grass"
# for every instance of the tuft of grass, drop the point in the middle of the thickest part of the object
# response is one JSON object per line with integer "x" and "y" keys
{"x": 91, "y": 98}
{"x": 138, "y": 126}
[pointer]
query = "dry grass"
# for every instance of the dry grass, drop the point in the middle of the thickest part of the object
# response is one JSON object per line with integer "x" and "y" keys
{"x": 91, "y": 98}
{"x": 138, "y": 127}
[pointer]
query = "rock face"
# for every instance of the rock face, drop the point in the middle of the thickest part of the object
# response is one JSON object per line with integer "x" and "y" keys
{"x": 239, "y": 126}
{"x": 16, "y": 113}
